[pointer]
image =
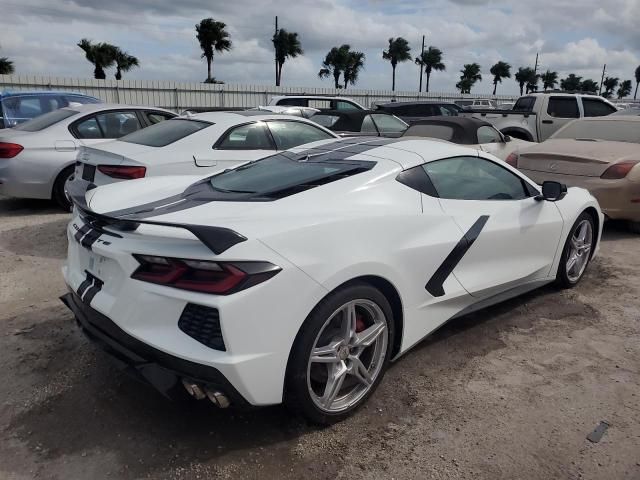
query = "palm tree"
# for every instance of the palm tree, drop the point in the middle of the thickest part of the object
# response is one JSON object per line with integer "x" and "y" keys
{"x": 525, "y": 76}
{"x": 335, "y": 63}
{"x": 549, "y": 79}
{"x": 124, "y": 62}
{"x": 625, "y": 89}
{"x": 102, "y": 55}
{"x": 470, "y": 75}
{"x": 287, "y": 45}
{"x": 609, "y": 84}
{"x": 532, "y": 82}
{"x": 212, "y": 37}
{"x": 637, "y": 74}
{"x": 355, "y": 63}
{"x": 6, "y": 66}
{"x": 430, "y": 60}
{"x": 398, "y": 51}
{"x": 589, "y": 85}
{"x": 499, "y": 71}
{"x": 572, "y": 83}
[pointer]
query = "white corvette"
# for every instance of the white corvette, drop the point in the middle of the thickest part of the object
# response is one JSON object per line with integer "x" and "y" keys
{"x": 298, "y": 278}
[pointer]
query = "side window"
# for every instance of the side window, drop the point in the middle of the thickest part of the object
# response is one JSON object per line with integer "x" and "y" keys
{"x": 368, "y": 126}
{"x": 388, "y": 123}
{"x": 88, "y": 128}
{"x": 341, "y": 105}
{"x": 487, "y": 134}
{"x": 596, "y": 108}
{"x": 157, "y": 117}
{"x": 252, "y": 136}
{"x": 446, "y": 111}
{"x": 291, "y": 134}
{"x": 294, "y": 102}
{"x": 117, "y": 124}
{"x": 319, "y": 103}
{"x": 563, "y": 107}
{"x": 474, "y": 178}
{"x": 524, "y": 104}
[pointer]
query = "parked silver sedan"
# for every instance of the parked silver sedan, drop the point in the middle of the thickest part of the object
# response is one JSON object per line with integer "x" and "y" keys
{"x": 37, "y": 157}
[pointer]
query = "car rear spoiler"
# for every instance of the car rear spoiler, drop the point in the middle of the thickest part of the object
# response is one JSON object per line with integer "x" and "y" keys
{"x": 216, "y": 239}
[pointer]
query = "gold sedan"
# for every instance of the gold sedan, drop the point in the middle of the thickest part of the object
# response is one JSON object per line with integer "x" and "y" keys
{"x": 601, "y": 154}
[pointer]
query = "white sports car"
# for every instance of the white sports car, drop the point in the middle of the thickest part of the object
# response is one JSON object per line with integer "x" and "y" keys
{"x": 299, "y": 277}
{"x": 197, "y": 144}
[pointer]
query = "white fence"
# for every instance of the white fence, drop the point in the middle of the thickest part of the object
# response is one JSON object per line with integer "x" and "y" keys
{"x": 180, "y": 96}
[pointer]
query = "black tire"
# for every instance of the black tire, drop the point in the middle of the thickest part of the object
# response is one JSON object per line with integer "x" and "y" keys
{"x": 58, "y": 195}
{"x": 562, "y": 277}
{"x": 296, "y": 396}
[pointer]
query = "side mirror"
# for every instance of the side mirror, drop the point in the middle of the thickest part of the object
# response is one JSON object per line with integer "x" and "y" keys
{"x": 552, "y": 191}
{"x": 507, "y": 138}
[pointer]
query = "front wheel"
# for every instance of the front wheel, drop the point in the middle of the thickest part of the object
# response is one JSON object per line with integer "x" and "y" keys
{"x": 340, "y": 354}
{"x": 577, "y": 251}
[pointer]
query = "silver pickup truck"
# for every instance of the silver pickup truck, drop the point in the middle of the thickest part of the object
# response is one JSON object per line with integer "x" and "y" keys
{"x": 535, "y": 117}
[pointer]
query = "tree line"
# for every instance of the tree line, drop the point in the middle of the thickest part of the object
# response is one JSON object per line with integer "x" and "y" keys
{"x": 344, "y": 65}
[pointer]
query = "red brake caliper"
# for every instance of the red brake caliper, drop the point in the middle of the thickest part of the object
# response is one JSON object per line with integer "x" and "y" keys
{"x": 360, "y": 326}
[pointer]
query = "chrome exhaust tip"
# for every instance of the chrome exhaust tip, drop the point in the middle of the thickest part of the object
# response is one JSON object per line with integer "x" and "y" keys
{"x": 219, "y": 399}
{"x": 193, "y": 389}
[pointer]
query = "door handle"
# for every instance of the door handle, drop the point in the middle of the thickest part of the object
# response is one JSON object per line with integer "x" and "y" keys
{"x": 547, "y": 121}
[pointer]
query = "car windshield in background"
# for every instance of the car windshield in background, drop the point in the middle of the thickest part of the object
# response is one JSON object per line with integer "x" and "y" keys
{"x": 46, "y": 120}
{"x": 164, "y": 133}
{"x": 279, "y": 172}
{"x": 614, "y": 131}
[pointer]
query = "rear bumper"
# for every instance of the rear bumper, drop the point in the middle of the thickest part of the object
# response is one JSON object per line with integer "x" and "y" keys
{"x": 614, "y": 196}
{"x": 161, "y": 370}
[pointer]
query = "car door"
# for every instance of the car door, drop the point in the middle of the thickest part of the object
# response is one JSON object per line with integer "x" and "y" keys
{"x": 559, "y": 111}
{"x": 508, "y": 238}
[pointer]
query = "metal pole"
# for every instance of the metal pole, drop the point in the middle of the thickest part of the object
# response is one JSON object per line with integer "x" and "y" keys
{"x": 535, "y": 68}
{"x": 602, "y": 79}
{"x": 276, "y": 54}
{"x": 421, "y": 66}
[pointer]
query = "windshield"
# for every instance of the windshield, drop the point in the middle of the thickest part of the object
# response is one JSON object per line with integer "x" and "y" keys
{"x": 614, "y": 131}
{"x": 46, "y": 120}
{"x": 281, "y": 172}
{"x": 163, "y": 133}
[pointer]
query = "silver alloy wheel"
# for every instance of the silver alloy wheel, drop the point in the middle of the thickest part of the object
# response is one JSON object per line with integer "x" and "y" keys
{"x": 347, "y": 355}
{"x": 579, "y": 250}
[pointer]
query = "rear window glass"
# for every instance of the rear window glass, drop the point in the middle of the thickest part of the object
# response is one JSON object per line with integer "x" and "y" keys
{"x": 280, "y": 173}
{"x": 164, "y": 133}
{"x": 46, "y": 120}
{"x": 443, "y": 132}
{"x": 524, "y": 104}
{"x": 616, "y": 131}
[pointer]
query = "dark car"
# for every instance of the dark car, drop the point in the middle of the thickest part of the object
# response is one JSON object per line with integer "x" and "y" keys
{"x": 412, "y": 111}
{"x": 18, "y": 107}
{"x": 361, "y": 122}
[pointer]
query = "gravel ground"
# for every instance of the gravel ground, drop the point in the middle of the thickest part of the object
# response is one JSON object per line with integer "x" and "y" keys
{"x": 510, "y": 392}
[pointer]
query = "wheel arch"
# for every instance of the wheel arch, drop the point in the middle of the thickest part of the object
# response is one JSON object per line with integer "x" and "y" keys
{"x": 517, "y": 132}
{"x": 58, "y": 174}
{"x": 596, "y": 221}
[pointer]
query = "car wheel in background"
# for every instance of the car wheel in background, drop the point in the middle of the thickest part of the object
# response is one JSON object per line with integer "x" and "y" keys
{"x": 577, "y": 251}
{"x": 59, "y": 195}
{"x": 340, "y": 354}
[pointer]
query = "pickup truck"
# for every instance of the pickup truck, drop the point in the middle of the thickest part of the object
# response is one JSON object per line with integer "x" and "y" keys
{"x": 537, "y": 116}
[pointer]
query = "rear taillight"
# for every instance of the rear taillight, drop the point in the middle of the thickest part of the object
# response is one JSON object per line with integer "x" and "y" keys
{"x": 10, "y": 150}
{"x": 512, "y": 159}
{"x": 619, "y": 170}
{"x": 124, "y": 172}
{"x": 220, "y": 278}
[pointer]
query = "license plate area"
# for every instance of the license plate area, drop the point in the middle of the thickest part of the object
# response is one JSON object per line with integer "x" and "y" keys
{"x": 88, "y": 172}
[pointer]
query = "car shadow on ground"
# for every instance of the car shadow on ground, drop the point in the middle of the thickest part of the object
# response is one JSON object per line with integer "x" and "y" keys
{"x": 26, "y": 207}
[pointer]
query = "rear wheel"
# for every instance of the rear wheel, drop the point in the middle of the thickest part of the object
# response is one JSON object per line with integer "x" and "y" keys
{"x": 340, "y": 355}
{"x": 59, "y": 194}
{"x": 577, "y": 251}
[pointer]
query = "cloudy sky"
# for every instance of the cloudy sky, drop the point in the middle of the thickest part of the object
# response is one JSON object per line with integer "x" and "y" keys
{"x": 40, "y": 36}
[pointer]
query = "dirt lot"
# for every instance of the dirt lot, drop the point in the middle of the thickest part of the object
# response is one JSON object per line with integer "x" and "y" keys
{"x": 511, "y": 392}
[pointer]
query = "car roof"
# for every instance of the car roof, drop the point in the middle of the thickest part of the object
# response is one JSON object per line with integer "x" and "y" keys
{"x": 417, "y": 102}
{"x": 41, "y": 93}
{"x": 95, "y": 107}
{"x": 315, "y": 97}
{"x": 465, "y": 129}
{"x": 349, "y": 120}
{"x": 613, "y": 118}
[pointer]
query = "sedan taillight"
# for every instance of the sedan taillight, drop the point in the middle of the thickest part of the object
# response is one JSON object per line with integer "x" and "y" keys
{"x": 123, "y": 172}
{"x": 220, "y": 278}
{"x": 619, "y": 170}
{"x": 512, "y": 159}
{"x": 9, "y": 150}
